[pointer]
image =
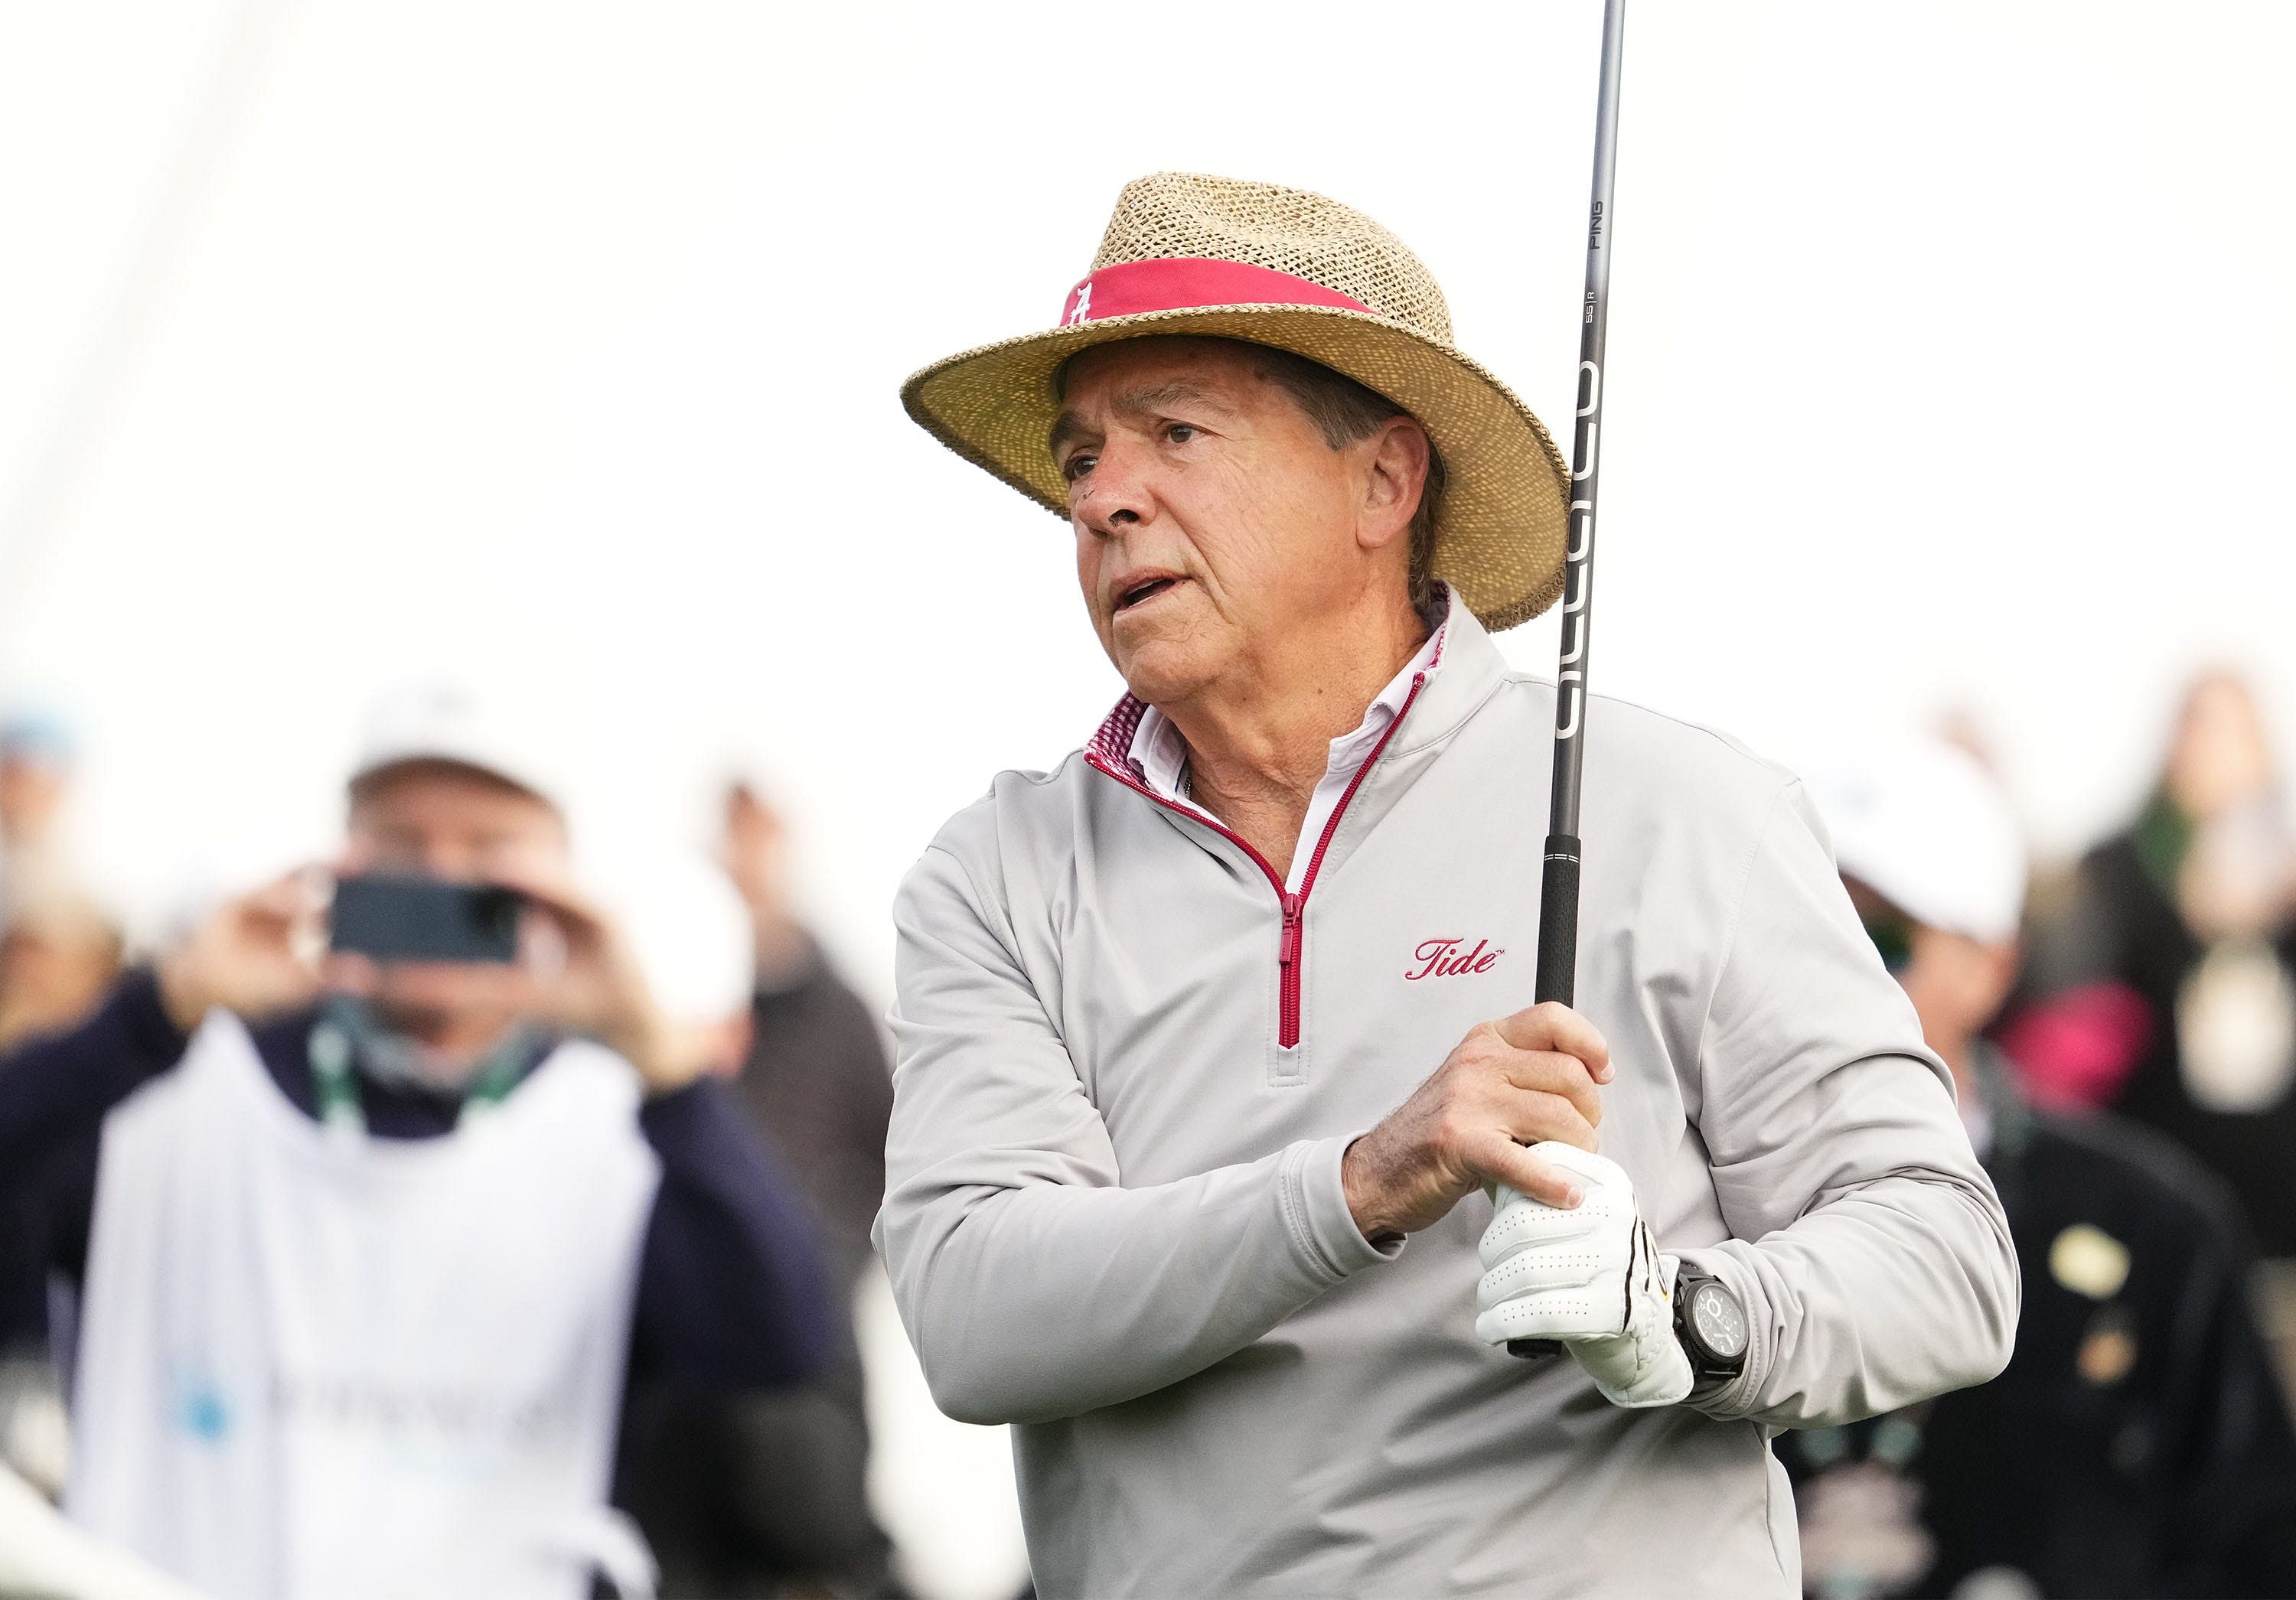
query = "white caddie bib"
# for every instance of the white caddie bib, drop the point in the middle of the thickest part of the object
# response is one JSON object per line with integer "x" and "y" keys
{"x": 324, "y": 1368}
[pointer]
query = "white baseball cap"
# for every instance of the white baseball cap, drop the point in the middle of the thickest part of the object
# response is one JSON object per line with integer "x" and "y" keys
{"x": 1928, "y": 829}
{"x": 444, "y": 722}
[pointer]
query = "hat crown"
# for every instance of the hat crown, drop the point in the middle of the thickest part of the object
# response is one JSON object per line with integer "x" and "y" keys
{"x": 1190, "y": 215}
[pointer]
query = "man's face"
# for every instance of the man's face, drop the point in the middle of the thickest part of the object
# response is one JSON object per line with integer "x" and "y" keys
{"x": 1214, "y": 523}
{"x": 449, "y": 822}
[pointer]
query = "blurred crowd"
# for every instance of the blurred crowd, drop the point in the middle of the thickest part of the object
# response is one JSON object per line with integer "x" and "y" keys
{"x": 316, "y": 1263}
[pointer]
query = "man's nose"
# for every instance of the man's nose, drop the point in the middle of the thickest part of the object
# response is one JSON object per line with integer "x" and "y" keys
{"x": 1115, "y": 495}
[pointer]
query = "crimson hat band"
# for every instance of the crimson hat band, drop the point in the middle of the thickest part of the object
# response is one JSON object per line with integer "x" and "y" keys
{"x": 1192, "y": 283}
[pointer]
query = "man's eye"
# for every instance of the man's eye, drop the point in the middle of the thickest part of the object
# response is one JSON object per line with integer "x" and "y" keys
{"x": 1077, "y": 465}
{"x": 1180, "y": 433}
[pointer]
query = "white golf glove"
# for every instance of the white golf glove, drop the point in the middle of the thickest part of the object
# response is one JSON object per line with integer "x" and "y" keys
{"x": 1589, "y": 1278}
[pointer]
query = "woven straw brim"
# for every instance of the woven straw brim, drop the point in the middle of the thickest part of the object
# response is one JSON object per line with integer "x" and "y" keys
{"x": 1500, "y": 534}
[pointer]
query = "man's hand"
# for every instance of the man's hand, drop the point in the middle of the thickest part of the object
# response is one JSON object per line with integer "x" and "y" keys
{"x": 1590, "y": 1277}
{"x": 1519, "y": 1080}
{"x": 255, "y": 955}
{"x": 593, "y": 983}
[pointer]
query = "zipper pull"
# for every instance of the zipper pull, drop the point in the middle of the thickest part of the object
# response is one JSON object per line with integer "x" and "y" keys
{"x": 1288, "y": 951}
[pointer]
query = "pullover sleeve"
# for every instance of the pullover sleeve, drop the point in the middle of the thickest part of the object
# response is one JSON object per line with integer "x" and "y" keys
{"x": 1033, "y": 1285}
{"x": 1868, "y": 1243}
{"x": 732, "y": 1291}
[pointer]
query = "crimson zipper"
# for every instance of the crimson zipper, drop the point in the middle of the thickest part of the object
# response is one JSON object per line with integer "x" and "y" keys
{"x": 1292, "y": 942}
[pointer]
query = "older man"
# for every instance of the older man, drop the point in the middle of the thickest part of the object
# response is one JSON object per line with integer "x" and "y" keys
{"x": 1170, "y": 1183}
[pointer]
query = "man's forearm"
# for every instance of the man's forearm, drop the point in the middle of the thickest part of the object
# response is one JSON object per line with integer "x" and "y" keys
{"x": 1046, "y": 1300}
{"x": 1896, "y": 1292}
{"x": 1867, "y": 1244}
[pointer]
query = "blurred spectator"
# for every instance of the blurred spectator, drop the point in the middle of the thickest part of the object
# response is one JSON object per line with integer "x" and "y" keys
{"x": 58, "y": 947}
{"x": 59, "y": 952}
{"x": 767, "y": 1495}
{"x": 35, "y": 762}
{"x": 36, "y": 773}
{"x": 2136, "y": 1443}
{"x": 2165, "y": 981}
{"x": 360, "y": 1279}
{"x": 817, "y": 1078}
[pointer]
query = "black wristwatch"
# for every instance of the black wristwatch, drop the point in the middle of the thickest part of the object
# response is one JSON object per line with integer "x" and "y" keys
{"x": 1710, "y": 1323}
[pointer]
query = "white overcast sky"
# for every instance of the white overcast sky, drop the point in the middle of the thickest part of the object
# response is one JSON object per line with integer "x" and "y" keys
{"x": 554, "y": 348}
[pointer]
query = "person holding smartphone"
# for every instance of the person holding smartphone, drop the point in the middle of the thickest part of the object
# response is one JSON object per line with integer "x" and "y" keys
{"x": 367, "y": 1240}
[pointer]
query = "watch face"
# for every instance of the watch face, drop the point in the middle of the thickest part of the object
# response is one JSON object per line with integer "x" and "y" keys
{"x": 1720, "y": 1322}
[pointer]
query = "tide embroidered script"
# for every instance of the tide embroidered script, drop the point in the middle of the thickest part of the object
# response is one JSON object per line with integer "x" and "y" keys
{"x": 1444, "y": 958}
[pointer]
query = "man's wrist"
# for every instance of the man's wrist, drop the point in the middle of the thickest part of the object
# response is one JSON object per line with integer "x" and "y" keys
{"x": 1360, "y": 1182}
{"x": 1315, "y": 1205}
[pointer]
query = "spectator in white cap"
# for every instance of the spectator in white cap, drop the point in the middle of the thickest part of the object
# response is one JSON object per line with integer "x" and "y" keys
{"x": 367, "y": 1247}
{"x": 2138, "y": 1443}
{"x": 1934, "y": 865}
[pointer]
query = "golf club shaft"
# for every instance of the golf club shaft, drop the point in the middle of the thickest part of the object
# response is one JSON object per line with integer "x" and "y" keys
{"x": 1558, "y": 897}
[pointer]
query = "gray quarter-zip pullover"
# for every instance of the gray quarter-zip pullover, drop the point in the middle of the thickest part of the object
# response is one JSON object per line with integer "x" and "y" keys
{"x": 1130, "y": 1063}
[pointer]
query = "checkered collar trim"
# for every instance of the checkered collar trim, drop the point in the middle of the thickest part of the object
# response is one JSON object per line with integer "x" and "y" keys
{"x": 1112, "y": 746}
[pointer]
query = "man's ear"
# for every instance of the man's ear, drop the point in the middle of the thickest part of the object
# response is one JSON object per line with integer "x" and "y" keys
{"x": 1397, "y": 456}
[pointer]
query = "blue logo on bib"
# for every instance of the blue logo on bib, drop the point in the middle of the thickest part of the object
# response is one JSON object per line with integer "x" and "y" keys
{"x": 202, "y": 1411}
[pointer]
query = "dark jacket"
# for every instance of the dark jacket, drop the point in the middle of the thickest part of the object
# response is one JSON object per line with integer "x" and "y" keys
{"x": 2138, "y": 1443}
{"x": 764, "y": 1494}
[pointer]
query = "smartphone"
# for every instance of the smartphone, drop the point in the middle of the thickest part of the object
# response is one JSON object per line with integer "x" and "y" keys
{"x": 400, "y": 916}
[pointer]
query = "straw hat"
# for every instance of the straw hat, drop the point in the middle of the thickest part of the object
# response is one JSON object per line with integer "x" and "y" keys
{"x": 1219, "y": 257}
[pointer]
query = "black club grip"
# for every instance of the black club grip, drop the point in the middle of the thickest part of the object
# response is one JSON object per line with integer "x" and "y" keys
{"x": 1558, "y": 921}
{"x": 1558, "y": 979}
